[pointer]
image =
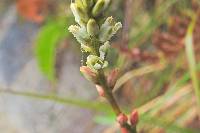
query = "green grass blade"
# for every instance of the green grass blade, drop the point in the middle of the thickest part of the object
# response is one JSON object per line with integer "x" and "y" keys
{"x": 97, "y": 106}
{"x": 191, "y": 58}
{"x": 138, "y": 72}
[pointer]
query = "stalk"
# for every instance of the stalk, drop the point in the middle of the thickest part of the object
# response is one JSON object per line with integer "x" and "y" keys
{"x": 94, "y": 33}
{"x": 110, "y": 98}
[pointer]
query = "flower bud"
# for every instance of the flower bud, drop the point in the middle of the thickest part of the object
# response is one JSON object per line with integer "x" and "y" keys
{"x": 112, "y": 77}
{"x": 89, "y": 74}
{"x": 98, "y": 8}
{"x": 81, "y": 4}
{"x": 105, "y": 35}
{"x": 124, "y": 130}
{"x": 75, "y": 12}
{"x": 92, "y": 27}
{"x": 88, "y": 3}
{"x": 97, "y": 66}
{"x": 100, "y": 90}
{"x": 134, "y": 118}
{"x": 85, "y": 48}
{"x": 104, "y": 49}
{"x": 80, "y": 34}
{"x": 94, "y": 62}
{"x": 105, "y": 64}
{"x": 108, "y": 29}
{"x": 122, "y": 119}
{"x": 79, "y": 14}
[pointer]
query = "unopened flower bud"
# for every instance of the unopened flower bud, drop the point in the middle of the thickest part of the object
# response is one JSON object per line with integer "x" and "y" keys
{"x": 112, "y": 77}
{"x": 98, "y": 8}
{"x": 122, "y": 119}
{"x": 88, "y": 3}
{"x": 89, "y": 74}
{"x": 108, "y": 29}
{"x": 86, "y": 48}
{"x": 100, "y": 90}
{"x": 94, "y": 62}
{"x": 124, "y": 130}
{"x": 105, "y": 64}
{"x": 80, "y": 34}
{"x": 134, "y": 117}
{"x": 104, "y": 49}
{"x": 92, "y": 27}
{"x": 79, "y": 14}
{"x": 105, "y": 35}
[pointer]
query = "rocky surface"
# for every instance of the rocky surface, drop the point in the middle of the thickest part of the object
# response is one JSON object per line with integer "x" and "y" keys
{"x": 19, "y": 71}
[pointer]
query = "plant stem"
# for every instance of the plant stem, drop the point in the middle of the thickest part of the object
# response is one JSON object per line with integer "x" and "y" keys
{"x": 108, "y": 93}
{"x": 110, "y": 98}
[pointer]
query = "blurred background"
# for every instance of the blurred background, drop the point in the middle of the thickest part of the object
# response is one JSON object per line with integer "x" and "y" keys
{"x": 157, "y": 52}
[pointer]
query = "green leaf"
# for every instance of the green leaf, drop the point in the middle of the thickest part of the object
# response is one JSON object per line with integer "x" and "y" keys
{"x": 46, "y": 44}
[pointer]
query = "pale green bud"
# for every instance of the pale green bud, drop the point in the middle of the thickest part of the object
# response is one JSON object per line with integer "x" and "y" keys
{"x": 94, "y": 62}
{"x": 97, "y": 66}
{"x": 92, "y": 27}
{"x": 92, "y": 59}
{"x": 117, "y": 27}
{"x": 86, "y": 48}
{"x": 83, "y": 13}
{"x": 104, "y": 49}
{"x": 79, "y": 14}
{"x": 105, "y": 34}
{"x": 80, "y": 34}
{"x": 73, "y": 7}
{"x": 108, "y": 29}
{"x": 105, "y": 64}
{"x": 109, "y": 21}
{"x": 88, "y": 3}
{"x": 98, "y": 8}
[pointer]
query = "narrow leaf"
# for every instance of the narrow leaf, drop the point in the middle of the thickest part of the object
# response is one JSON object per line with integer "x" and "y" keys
{"x": 191, "y": 57}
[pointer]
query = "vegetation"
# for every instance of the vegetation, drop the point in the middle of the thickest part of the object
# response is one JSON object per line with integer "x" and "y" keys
{"x": 150, "y": 73}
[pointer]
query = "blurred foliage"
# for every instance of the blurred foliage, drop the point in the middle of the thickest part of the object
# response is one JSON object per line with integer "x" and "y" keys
{"x": 32, "y": 10}
{"x": 48, "y": 39}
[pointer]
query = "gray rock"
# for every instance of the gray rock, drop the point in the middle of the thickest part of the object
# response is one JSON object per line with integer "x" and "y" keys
{"x": 15, "y": 46}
